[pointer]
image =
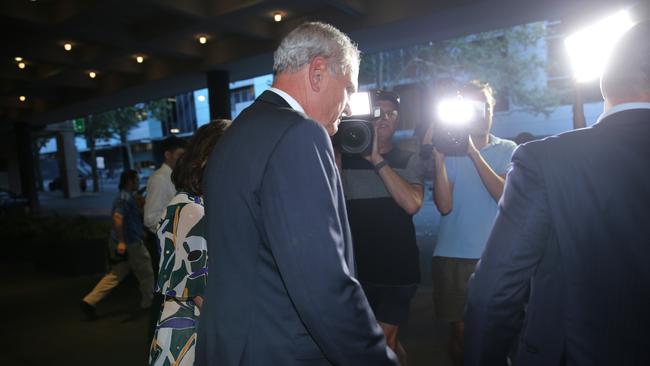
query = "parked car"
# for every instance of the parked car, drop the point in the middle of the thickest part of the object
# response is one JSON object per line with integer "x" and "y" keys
{"x": 56, "y": 183}
{"x": 11, "y": 202}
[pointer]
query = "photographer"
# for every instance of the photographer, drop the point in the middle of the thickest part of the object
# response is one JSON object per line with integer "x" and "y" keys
{"x": 383, "y": 190}
{"x": 466, "y": 191}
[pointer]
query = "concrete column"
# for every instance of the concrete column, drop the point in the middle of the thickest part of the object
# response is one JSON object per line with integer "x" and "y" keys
{"x": 26, "y": 165}
{"x": 67, "y": 156}
{"x": 219, "y": 94}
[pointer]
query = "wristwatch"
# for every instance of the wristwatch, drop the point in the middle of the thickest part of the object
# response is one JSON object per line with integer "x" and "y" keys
{"x": 380, "y": 165}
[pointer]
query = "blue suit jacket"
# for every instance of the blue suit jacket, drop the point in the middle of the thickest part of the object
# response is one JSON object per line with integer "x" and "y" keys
{"x": 281, "y": 289}
{"x": 571, "y": 239}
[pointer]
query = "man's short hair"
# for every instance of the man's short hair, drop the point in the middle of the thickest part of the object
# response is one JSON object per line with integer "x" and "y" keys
{"x": 127, "y": 176}
{"x": 314, "y": 39}
{"x": 627, "y": 72}
{"x": 387, "y": 96}
{"x": 483, "y": 88}
{"x": 172, "y": 143}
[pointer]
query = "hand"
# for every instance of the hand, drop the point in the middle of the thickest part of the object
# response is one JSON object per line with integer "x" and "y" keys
{"x": 121, "y": 248}
{"x": 198, "y": 300}
{"x": 428, "y": 136}
{"x": 472, "y": 151}
{"x": 438, "y": 155}
{"x": 374, "y": 157}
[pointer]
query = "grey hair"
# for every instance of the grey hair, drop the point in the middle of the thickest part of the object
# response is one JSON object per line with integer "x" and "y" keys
{"x": 314, "y": 39}
{"x": 627, "y": 72}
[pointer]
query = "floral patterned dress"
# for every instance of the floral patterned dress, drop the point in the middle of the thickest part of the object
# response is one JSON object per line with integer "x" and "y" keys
{"x": 182, "y": 276}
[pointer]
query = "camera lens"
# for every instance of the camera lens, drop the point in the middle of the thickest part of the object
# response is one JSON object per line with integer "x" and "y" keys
{"x": 355, "y": 136}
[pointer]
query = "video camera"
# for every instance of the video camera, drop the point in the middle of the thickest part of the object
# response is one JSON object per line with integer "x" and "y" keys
{"x": 455, "y": 118}
{"x": 356, "y": 131}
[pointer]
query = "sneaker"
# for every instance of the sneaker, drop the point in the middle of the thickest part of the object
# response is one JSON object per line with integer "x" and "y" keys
{"x": 88, "y": 310}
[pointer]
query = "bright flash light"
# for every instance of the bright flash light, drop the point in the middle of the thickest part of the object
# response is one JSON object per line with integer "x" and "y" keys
{"x": 174, "y": 130}
{"x": 589, "y": 48}
{"x": 203, "y": 39}
{"x": 139, "y": 59}
{"x": 22, "y": 98}
{"x": 67, "y": 46}
{"x": 359, "y": 104}
{"x": 92, "y": 74}
{"x": 201, "y": 98}
{"x": 21, "y": 65}
{"x": 277, "y": 17}
{"x": 18, "y": 58}
{"x": 456, "y": 110}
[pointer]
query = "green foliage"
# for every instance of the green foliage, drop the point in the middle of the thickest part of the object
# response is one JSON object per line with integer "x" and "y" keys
{"x": 508, "y": 59}
{"x": 118, "y": 122}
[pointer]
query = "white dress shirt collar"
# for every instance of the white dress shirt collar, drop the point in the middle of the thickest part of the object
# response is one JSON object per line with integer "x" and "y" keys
{"x": 623, "y": 107}
{"x": 289, "y": 99}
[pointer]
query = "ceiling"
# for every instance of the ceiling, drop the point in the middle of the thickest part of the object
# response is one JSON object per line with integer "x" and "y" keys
{"x": 106, "y": 36}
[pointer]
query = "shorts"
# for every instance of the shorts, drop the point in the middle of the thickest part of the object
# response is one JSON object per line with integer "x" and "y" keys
{"x": 390, "y": 303}
{"x": 450, "y": 276}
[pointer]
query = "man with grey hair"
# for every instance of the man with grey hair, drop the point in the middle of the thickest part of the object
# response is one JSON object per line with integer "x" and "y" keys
{"x": 282, "y": 289}
{"x": 571, "y": 237}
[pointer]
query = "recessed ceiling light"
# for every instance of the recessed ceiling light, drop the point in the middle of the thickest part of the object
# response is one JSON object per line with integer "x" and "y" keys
{"x": 203, "y": 39}
{"x": 174, "y": 130}
{"x": 92, "y": 74}
{"x": 67, "y": 46}
{"x": 21, "y": 65}
{"x": 18, "y": 58}
{"x": 22, "y": 98}
{"x": 277, "y": 17}
{"x": 201, "y": 98}
{"x": 139, "y": 59}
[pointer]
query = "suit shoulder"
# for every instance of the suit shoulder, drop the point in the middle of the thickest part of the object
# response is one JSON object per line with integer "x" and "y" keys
{"x": 306, "y": 131}
{"x": 558, "y": 141}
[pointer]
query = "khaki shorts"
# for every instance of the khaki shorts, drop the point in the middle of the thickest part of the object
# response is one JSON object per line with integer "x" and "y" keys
{"x": 450, "y": 276}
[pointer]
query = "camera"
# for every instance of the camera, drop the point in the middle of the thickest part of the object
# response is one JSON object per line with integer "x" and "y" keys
{"x": 454, "y": 120}
{"x": 356, "y": 131}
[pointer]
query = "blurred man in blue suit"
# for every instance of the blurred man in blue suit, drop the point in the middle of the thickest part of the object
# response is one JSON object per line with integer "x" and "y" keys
{"x": 281, "y": 289}
{"x": 572, "y": 237}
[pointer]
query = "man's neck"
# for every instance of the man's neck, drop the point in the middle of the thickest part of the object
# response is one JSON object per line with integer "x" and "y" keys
{"x": 292, "y": 84}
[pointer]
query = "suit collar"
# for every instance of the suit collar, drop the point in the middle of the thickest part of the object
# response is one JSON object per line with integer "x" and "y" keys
{"x": 622, "y": 108}
{"x": 273, "y": 98}
{"x": 634, "y": 115}
{"x": 289, "y": 99}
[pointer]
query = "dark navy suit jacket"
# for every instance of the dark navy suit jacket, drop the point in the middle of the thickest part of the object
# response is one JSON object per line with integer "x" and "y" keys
{"x": 571, "y": 239}
{"x": 281, "y": 289}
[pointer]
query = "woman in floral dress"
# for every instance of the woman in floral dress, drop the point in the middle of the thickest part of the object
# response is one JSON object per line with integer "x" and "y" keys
{"x": 184, "y": 258}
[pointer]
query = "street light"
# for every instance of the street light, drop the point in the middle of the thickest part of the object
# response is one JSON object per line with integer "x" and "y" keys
{"x": 588, "y": 50}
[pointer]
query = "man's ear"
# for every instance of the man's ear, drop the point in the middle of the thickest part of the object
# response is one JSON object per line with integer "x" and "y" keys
{"x": 317, "y": 70}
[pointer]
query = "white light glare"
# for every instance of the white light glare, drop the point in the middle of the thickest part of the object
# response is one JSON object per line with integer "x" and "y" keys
{"x": 359, "y": 104}
{"x": 201, "y": 98}
{"x": 174, "y": 130}
{"x": 456, "y": 111}
{"x": 589, "y": 48}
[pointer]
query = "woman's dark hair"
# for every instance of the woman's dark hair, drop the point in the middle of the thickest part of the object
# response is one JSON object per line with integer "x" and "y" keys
{"x": 187, "y": 175}
{"x": 127, "y": 176}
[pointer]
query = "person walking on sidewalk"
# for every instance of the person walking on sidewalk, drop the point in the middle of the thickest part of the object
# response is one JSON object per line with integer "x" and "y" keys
{"x": 128, "y": 252}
